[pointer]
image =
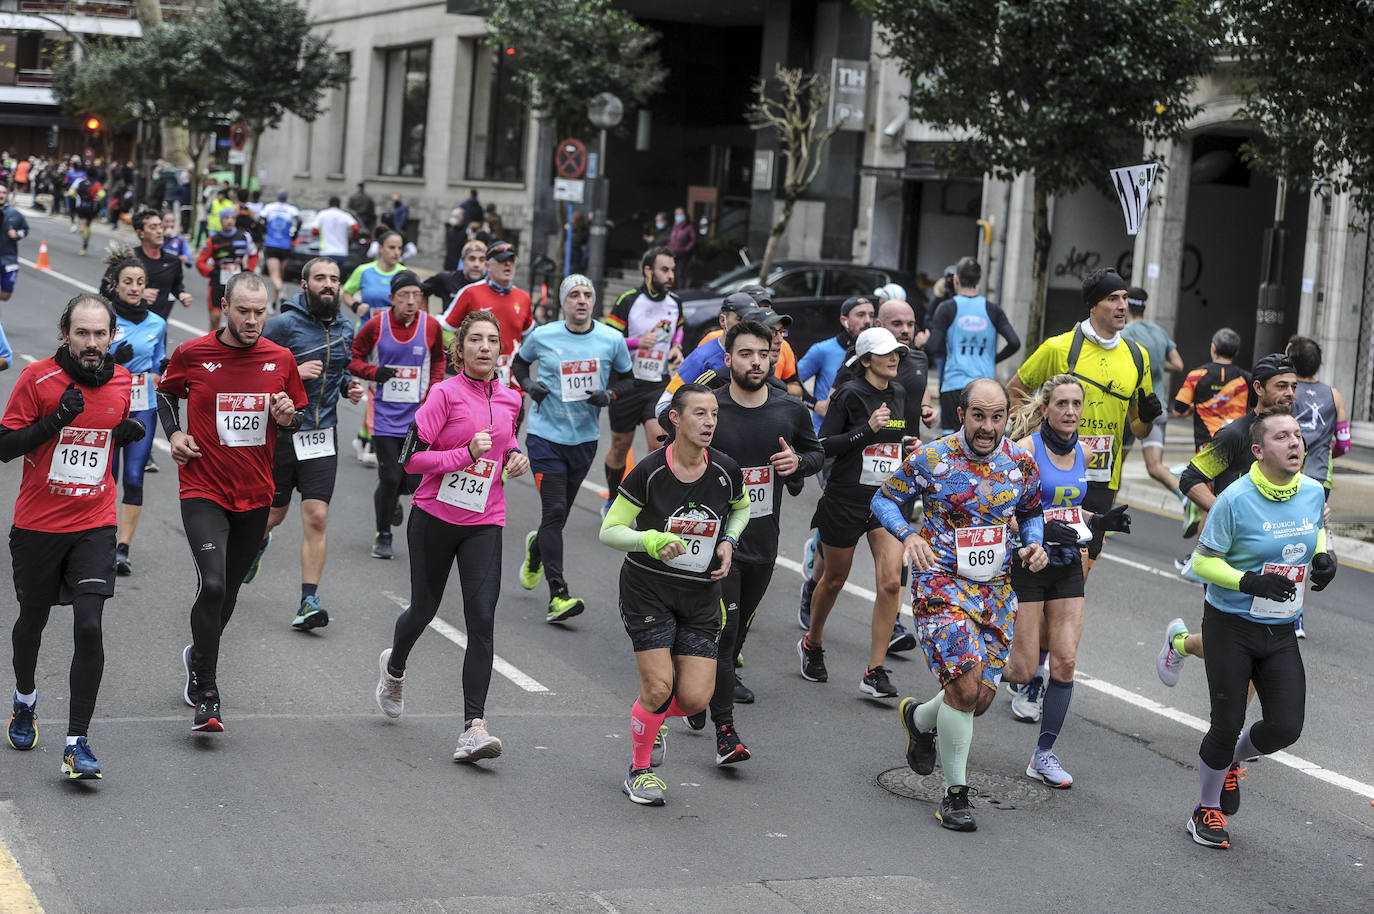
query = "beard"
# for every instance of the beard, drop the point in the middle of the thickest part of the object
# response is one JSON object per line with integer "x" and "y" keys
{"x": 746, "y": 383}
{"x": 320, "y": 306}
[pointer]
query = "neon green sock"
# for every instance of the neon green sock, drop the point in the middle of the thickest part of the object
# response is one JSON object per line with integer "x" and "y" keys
{"x": 927, "y": 711}
{"x": 956, "y": 733}
{"x": 1179, "y": 640}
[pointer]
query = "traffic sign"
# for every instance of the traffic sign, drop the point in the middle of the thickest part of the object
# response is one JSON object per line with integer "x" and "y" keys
{"x": 568, "y": 189}
{"x": 238, "y": 136}
{"x": 238, "y": 157}
{"x": 571, "y": 160}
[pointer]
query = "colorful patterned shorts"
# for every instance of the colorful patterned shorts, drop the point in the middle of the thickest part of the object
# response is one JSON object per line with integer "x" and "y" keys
{"x": 963, "y": 623}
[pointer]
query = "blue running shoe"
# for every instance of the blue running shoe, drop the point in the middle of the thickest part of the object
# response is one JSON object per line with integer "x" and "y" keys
{"x": 23, "y": 730}
{"x": 257, "y": 561}
{"x": 809, "y": 554}
{"x": 78, "y": 762}
{"x": 310, "y": 615}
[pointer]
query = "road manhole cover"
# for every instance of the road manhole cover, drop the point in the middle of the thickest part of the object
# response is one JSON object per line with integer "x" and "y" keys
{"x": 993, "y": 789}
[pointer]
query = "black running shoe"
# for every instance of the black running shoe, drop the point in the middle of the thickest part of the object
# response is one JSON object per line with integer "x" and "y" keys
{"x": 208, "y": 719}
{"x": 398, "y": 515}
{"x": 697, "y": 721}
{"x": 192, "y": 689}
{"x": 123, "y": 567}
{"x": 876, "y": 683}
{"x": 1230, "y": 790}
{"x": 381, "y": 546}
{"x": 812, "y": 661}
{"x": 729, "y": 749}
{"x": 804, "y": 610}
{"x": 743, "y": 694}
{"x": 954, "y": 812}
{"x": 920, "y": 747}
{"x": 1208, "y": 827}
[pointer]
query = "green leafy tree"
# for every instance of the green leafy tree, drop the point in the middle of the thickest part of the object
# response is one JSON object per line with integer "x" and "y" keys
{"x": 1065, "y": 90}
{"x": 1307, "y": 82}
{"x": 97, "y": 85}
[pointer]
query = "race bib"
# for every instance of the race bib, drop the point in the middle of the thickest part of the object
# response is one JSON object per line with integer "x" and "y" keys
{"x": 318, "y": 442}
{"x": 469, "y": 488}
{"x": 579, "y": 378}
{"x": 879, "y": 462}
{"x": 699, "y": 536}
{"x": 241, "y": 419}
{"x": 227, "y": 271}
{"x": 503, "y": 369}
{"x": 758, "y": 485}
{"x": 138, "y": 393}
{"x": 649, "y": 363}
{"x": 1273, "y": 609}
{"x": 405, "y": 387}
{"x": 1099, "y": 448}
{"x": 81, "y": 457}
{"x": 981, "y": 551}
{"x": 1073, "y": 517}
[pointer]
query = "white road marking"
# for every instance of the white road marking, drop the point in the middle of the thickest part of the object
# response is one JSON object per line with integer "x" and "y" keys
{"x": 504, "y": 667}
{"x": 87, "y": 287}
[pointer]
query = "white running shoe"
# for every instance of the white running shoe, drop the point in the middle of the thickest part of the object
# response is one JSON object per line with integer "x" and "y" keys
{"x": 389, "y": 689}
{"x": 1169, "y": 664}
{"x": 1044, "y": 766}
{"x": 1026, "y": 703}
{"x": 476, "y": 743}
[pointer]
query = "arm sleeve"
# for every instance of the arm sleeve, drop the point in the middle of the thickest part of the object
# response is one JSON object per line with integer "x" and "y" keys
{"x": 1007, "y": 331}
{"x": 519, "y": 368}
{"x": 1029, "y": 513}
{"x": 739, "y": 517}
{"x": 1215, "y": 569}
{"x": 615, "y": 527}
{"x": 939, "y": 326}
{"x": 169, "y": 412}
{"x": 889, "y": 514}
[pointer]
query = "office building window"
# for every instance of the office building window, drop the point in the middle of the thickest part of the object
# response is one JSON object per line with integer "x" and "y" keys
{"x": 496, "y": 144}
{"x": 335, "y": 124}
{"x": 405, "y": 104}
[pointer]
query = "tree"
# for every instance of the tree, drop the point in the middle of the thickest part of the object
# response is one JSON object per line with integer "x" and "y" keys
{"x": 1307, "y": 82}
{"x": 1063, "y": 89}
{"x": 796, "y": 116}
{"x": 97, "y": 85}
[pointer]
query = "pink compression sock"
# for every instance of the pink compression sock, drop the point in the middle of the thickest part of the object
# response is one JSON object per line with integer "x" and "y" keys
{"x": 674, "y": 710}
{"x": 643, "y": 731}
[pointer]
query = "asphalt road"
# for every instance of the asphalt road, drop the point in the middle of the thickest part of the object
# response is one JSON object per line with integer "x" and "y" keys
{"x": 313, "y": 802}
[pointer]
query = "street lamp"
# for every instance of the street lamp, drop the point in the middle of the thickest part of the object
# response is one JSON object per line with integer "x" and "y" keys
{"x": 604, "y": 111}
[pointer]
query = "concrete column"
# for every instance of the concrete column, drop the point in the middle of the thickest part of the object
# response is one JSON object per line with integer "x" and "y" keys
{"x": 1332, "y": 289}
{"x": 1158, "y": 253}
{"x": 878, "y": 233}
{"x": 1014, "y": 296}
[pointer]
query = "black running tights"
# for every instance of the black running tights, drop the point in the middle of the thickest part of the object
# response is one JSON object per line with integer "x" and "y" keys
{"x": 434, "y": 545}
{"x": 223, "y": 544}
{"x": 392, "y": 480}
{"x": 556, "y": 494}
{"x": 741, "y": 593}
{"x": 88, "y": 656}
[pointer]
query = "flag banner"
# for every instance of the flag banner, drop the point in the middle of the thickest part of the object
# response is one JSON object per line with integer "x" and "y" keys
{"x": 1133, "y": 190}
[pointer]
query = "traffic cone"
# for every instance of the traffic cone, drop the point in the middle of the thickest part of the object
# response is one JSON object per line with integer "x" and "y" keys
{"x": 43, "y": 258}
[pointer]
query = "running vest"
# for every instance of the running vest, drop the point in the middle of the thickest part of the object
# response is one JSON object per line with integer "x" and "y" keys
{"x": 970, "y": 343}
{"x": 395, "y": 402}
{"x": 1314, "y": 407}
{"x": 1076, "y": 347}
{"x": 1061, "y": 492}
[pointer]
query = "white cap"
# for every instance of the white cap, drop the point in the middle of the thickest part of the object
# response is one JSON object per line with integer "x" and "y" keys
{"x": 875, "y": 341}
{"x": 890, "y": 292}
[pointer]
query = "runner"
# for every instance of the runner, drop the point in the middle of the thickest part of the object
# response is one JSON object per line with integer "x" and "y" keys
{"x": 282, "y": 220}
{"x": 458, "y": 513}
{"x": 83, "y": 193}
{"x": 172, "y": 242}
{"x": 140, "y": 341}
{"x": 13, "y": 229}
{"x": 581, "y": 364}
{"x": 1264, "y": 542}
{"x": 164, "y": 271}
{"x": 472, "y": 267}
{"x": 863, "y": 431}
{"x": 1163, "y": 352}
{"x": 963, "y": 333}
{"x": 401, "y": 351}
{"x": 306, "y": 458}
{"x": 503, "y": 298}
{"x": 678, "y": 515}
{"x": 1320, "y": 410}
{"x": 768, "y": 434}
{"x": 234, "y": 383}
{"x": 1052, "y": 599}
{"x": 971, "y": 485}
{"x": 226, "y": 253}
{"x": 63, "y": 416}
{"x": 369, "y": 286}
{"x": 1216, "y": 394}
{"x": 650, "y": 317}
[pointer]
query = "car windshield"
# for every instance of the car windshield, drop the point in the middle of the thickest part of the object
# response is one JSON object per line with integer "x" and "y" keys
{"x": 738, "y": 278}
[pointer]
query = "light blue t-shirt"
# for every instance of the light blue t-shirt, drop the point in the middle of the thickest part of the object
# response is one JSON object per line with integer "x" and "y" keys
{"x": 1252, "y": 531}
{"x": 822, "y": 362}
{"x": 565, "y": 368}
{"x": 149, "y": 339}
{"x": 970, "y": 344}
{"x": 1155, "y": 341}
{"x": 6, "y": 352}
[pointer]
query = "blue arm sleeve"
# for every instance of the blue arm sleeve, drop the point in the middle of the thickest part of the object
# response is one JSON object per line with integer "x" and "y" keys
{"x": 1032, "y": 529}
{"x": 6, "y": 352}
{"x": 890, "y": 515}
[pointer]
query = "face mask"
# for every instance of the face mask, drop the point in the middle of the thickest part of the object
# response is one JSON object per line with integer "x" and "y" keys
{"x": 679, "y": 217}
{"x": 453, "y": 222}
{"x": 659, "y": 223}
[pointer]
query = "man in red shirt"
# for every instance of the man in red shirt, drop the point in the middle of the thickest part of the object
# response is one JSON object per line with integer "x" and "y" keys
{"x": 64, "y": 416}
{"x": 240, "y": 389}
{"x": 499, "y": 295}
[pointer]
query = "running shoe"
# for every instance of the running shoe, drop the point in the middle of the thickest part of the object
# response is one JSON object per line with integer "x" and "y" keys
{"x": 1184, "y": 567}
{"x": 809, "y": 555}
{"x": 563, "y": 607}
{"x": 1025, "y": 704}
{"x": 369, "y": 456}
{"x": 1230, "y": 789}
{"x": 192, "y": 688}
{"x": 78, "y": 762}
{"x": 1208, "y": 827}
{"x": 1044, "y": 766}
{"x": 151, "y": 465}
{"x": 739, "y": 660}
{"x": 901, "y": 640}
{"x": 398, "y": 514}
{"x": 381, "y": 546}
{"x": 359, "y": 448}
{"x": 812, "y": 661}
{"x": 660, "y": 747}
{"x": 531, "y": 572}
{"x": 1192, "y": 516}
{"x": 606, "y": 509}
{"x": 743, "y": 694}
{"x": 644, "y": 787}
{"x": 476, "y": 743}
{"x": 208, "y": 717}
{"x": 310, "y": 615}
{"x": 257, "y": 560}
{"x": 23, "y": 729}
{"x": 804, "y": 611}
{"x": 1169, "y": 664}
{"x": 696, "y": 721}
{"x": 123, "y": 567}
{"x": 920, "y": 747}
{"x": 1298, "y": 628}
{"x": 389, "y": 688}
{"x": 954, "y": 812}
{"x": 876, "y": 683}
{"x": 729, "y": 749}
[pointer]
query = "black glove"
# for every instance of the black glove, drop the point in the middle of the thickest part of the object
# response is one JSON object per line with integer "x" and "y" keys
{"x": 600, "y": 398}
{"x": 794, "y": 484}
{"x": 384, "y": 374}
{"x": 128, "y": 431}
{"x": 1269, "y": 586}
{"x": 1323, "y": 570}
{"x": 1116, "y": 520}
{"x": 1149, "y": 409}
{"x": 537, "y": 390}
{"x": 123, "y": 353}
{"x": 1058, "y": 533}
{"x": 162, "y": 367}
{"x": 71, "y": 404}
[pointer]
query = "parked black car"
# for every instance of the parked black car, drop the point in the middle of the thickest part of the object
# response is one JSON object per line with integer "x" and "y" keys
{"x": 811, "y": 291}
{"x": 306, "y": 247}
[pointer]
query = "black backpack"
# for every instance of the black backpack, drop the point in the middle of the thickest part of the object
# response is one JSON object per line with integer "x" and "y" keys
{"x": 1076, "y": 347}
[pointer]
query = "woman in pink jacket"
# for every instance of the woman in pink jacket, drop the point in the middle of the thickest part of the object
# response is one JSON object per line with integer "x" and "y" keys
{"x": 462, "y": 439}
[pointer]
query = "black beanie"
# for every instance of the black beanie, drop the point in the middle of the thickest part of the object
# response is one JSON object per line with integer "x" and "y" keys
{"x": 1097, "y": 286}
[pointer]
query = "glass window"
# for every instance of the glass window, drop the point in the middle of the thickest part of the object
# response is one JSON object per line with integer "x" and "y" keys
{"x": 336, "y": 121}
{"x": 496, "y": 140}
{"x": 847, "y": 282}
{"x": 796, "y": 284}
{"x": 405, "y": 104}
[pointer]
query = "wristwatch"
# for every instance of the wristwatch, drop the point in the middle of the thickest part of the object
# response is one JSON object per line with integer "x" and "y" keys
{"x": 727, "y": 538}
